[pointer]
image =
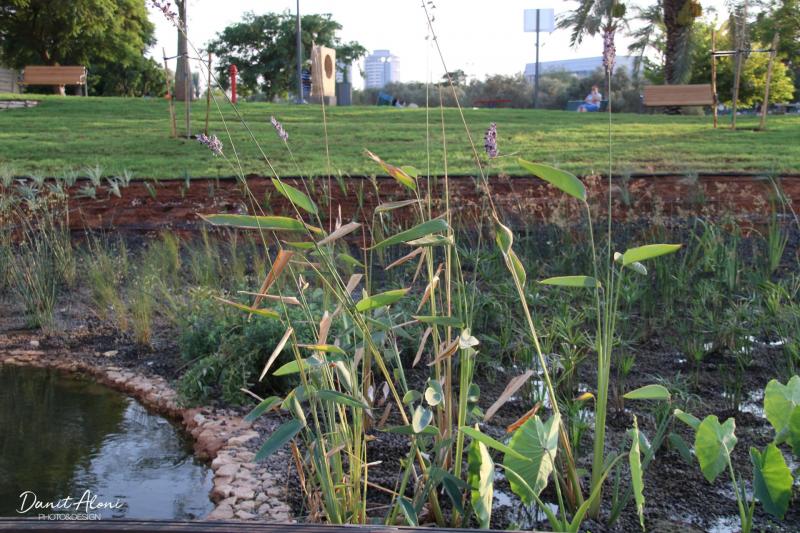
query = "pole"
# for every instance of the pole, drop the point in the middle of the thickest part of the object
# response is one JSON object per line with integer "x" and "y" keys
{"x": 536, "y": 71}
{"x": 299, "y": 58}
{"x": 173, "y": 125}
{"x": 208, "y": 94}
{"x": 765, "y": 103}
{"x": 714, "y": 75}
{"x": 737, "y": 76}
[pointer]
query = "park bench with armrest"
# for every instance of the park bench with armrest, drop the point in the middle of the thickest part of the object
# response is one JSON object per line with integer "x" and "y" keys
{"x": 678, "y": 95}
{"x": 55, "y": 75}
{"x": 492, "y": 102}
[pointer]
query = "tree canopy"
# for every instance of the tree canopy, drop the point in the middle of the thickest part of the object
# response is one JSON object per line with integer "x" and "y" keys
{"x": 263, "y": 49}
{"x": 104, "y": 35}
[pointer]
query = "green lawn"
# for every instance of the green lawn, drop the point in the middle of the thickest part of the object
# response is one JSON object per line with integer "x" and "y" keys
{"x": 73, "y": 133}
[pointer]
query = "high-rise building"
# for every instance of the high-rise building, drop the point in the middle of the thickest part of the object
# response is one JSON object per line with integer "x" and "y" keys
{"x": 380, "y": 68}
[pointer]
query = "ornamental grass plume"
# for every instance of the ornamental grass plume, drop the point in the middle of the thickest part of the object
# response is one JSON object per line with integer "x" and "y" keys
{"x": 490, "y": 141}
{"x": 282, "y": 133}
{"x": 212, "y": 143}
{"x": 165, "y": 6}
{"x": 609, "y": 50}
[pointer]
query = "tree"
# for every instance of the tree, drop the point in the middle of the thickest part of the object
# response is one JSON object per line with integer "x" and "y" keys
{"x": 678, "y": 17}
{"x": 263, "y": 49}
{"x": 94, "y": 33}
{"x": 782, "y": 16}
{"x": 183, "y": 71}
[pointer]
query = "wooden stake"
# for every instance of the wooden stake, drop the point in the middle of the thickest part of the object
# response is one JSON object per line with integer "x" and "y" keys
{"x": 173, "y": 125}
{"x": 737, "y": 76}
{"x": 208, "y": 93}
{"x": 765, "y": 104}
{"x": 714, "y": 76}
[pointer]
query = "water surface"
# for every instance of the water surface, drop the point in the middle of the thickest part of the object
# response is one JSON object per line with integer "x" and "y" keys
{"x": 61, "y": 436}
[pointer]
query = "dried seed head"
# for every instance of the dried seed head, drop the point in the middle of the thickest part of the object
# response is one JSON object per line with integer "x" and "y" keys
{"x": 212, "y": 143}
{"x": 490, "y": 141}
{"x": 609, "y": 51}
{"x": 282, "y": 133}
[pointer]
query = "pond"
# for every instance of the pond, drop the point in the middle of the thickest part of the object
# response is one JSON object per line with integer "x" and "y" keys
{"x": 63, "y": 436}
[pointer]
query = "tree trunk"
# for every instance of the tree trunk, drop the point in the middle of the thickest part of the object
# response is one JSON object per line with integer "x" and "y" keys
{"x": 678, "y": 25}
{"x": 183, "y": 73}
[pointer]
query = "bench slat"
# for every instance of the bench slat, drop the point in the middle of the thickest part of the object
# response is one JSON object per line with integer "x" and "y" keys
{"x": 678, "y": 95}
{"x": 56, "y": 75}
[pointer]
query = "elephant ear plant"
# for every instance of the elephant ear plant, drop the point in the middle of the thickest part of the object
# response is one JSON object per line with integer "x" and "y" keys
{"x": 772, "y": 478}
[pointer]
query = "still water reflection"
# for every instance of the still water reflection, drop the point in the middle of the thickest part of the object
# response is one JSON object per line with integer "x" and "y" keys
{"x": 61, "y": 436}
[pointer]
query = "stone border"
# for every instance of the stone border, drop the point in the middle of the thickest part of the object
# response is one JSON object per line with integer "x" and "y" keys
{"x": 243, "y": 490}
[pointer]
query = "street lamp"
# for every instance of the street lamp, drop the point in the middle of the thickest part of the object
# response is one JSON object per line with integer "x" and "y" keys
{"x": 299, "y": 58}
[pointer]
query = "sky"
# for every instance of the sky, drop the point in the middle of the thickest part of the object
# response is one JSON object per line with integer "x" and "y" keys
{"x": 478, "y": 36}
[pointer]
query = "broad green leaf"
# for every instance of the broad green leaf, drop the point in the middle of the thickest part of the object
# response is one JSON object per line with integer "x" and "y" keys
{"x": 380, "y": 300}
{"x": 300, "y": 245}
{"x": 350, "y": 260}
{"x": 572, "y": 281}
{"x": 408, "y": 511}
{"x": 772, "y": 480}
{"x": 278, "y": 438}
{"x": 411, "y": 397}
{"x": 779, "y": 403}
{"x": 677, "y": 442}
{"x": 421, "y": 418}
{"x": 266, "y": 223}
{"x": 434, "y": 394}
{"x": 451, "y": 487}
{"x": 492, "y": 443}
{"x": 503, "y": 236}
{"x": 569, "y": 183}
{"x": 648, "y": 251}
{"x": 432, "y": 240}
{"x": 265, "y": 405}
{"x": 341, "y": 399}
{"x": 687, "y": 419}
{"x": 635, "y": 462}
{"x": 538, "y": 443}
{"x": 513, "y": 263}
{"x": 396, "y": 172}
{"x": 267, "y": 313}
{"x": 291, "y": 368}
{"x": 713, "y": 444}
{"x": 411, "y": 171}
{"x": 793, "y": 431}
{"x": 480, "y": 476}
{"x": 391, "y": 206}
{"x": 649, "y": 392}
{"x": 437, "y": 225}
{"x": 296, "y": 196}
{"x": 445, "y": 321}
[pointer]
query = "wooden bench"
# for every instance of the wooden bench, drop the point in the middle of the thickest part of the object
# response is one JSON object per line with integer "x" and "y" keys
{"x": 55, "y": 75}
{"x": 492, "y": 103}
{"x": 678, "y": 95}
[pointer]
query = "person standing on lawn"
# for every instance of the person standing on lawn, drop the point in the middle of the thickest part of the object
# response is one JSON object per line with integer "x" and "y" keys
{"x": 592, "y": 101}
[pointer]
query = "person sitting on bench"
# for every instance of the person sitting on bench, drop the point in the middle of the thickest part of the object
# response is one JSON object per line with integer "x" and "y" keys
{"x": 592, "y": 101}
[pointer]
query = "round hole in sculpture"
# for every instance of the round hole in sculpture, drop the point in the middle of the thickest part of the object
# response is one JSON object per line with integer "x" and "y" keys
{"x": 328, "y": 67}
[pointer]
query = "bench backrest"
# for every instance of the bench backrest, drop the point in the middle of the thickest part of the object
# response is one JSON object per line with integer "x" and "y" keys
{"x": 40, "y": 75}
{"x": 678, "y": 95}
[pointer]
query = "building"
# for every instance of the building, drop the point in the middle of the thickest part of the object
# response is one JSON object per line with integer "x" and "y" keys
{"x": 380, "y": 68}
{"x": 8, "y": 80}
{"x": 579, "y": 67}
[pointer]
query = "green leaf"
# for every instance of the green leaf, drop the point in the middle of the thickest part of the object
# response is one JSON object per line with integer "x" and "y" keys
{"x": 677, "y": 442}
{"x": 296, "y": 196}
{"x": 408, "y": 511}
{"x": 687, "y": 419}
{"x": 780, "y": 402}
{"x": 411, "y": 171}
{"x": 396, "y": 172}
{"x": 713, "y": 444}
{"x": 265, "y": 405}
{"x": 569, "y": 183}
{"x": 538, "y": 443}
{"x": 513, "y": 263}
{"x": 421, "y": 418}
{"x": 327, "y": 348}
{"x": 267, "y": 313}
{"x": 437, "y": 225}
{"x": 572, "y": 281}
{"x": 434, "y": 394}
{"x": 648, "y": 251}
{"x": 491, "y": 443}
{"x": 793, "y": 433}
{"x": 411, "y": 397}
{"x": 265, "y": 223}
{"x": 380, "y": 300}
{"x": 649, "y": 392}
{"x": 503, "y": 236}
{"x": 350, "y": 260}
{"x": 291, "y": 368}
{"x": 480, "y": 476}
{"x": 278, "y": 438}
{"x": 432, "y": 240}
{"x": 391, "y": 206}
{"x": 635, "y": 462}
{"x": 445, "y": 321}
{"x": 772, "y": 480}
{"x": 341, "y": 399}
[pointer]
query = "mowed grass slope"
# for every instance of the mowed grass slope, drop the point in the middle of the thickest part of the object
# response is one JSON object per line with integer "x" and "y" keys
{"x": 71, "y": 133}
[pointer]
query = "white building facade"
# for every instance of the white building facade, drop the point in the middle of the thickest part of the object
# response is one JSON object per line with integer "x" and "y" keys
{"x": 380, "y": 68}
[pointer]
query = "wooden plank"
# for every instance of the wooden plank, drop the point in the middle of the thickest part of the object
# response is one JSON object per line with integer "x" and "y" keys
{"x": 678, "y": 95}
{"x": 144, "y": 526}
{"x": 54, "y": 75}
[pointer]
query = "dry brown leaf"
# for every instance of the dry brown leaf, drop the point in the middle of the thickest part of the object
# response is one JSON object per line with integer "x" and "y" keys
{"x": 277, "y": 267}
{"x": 324, "y": 327}
{"x": 421, "y": 346}
{"x": 291, "y": 300}
{"x": 512, "y": 387}
{"x": 406, "y": 258}
{"x": 339, "y": 233}
{"x": 524, "y": 418}
{"x": 445, "y": 352}
{"x": 276, "y": 352}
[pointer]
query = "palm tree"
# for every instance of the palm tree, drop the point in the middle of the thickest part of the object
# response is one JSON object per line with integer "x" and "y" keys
{"x": 678, "y": 17}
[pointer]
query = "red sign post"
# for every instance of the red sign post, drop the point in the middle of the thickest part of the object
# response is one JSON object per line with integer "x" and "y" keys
{"x": 233, "y": 72}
